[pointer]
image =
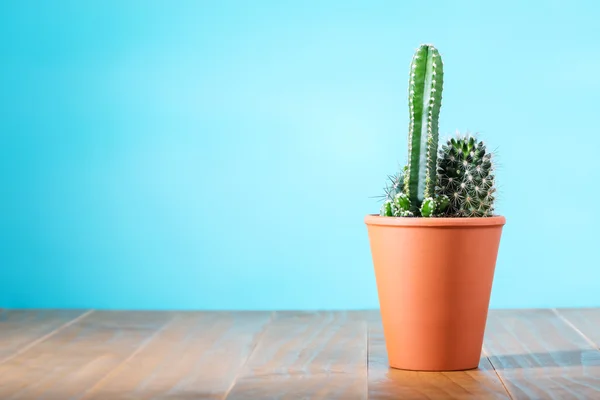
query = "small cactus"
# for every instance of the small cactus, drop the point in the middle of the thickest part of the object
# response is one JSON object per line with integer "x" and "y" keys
{"x": 399, "y": 206}
{"x": 395, "y": 186}
{"x": 434, "y": 206}
{"x": 401, "y": 202}
{"x": 428, "y": 207}
{"x": 466, "y": 176}
{"x": 387, "y": 209}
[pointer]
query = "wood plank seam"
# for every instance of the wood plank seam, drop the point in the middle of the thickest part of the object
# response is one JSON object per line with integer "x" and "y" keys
{"x": 140, "y": 348}
{"x": 568, "y": 322}
{"x": 254, "y": 347}
{"x": 539, "y": 355}
{"x": 368, "y": 338}
{"x": 45, "y": 337}
{"x": 485, "y": 354}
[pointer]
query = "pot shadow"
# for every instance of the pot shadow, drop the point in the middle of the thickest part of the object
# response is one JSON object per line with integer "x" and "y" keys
{"x": 553, "y": 359}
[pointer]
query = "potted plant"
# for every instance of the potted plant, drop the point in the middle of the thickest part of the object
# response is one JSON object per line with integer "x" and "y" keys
{"x": 435, "y": 241}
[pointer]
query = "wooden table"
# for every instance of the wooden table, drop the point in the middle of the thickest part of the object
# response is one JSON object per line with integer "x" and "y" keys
{"x": 63, "y": 354}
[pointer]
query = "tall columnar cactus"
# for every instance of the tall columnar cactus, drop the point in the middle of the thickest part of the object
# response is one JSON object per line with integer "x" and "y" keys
{"x": 424, "y": 101}
{"x": 466, "y": 176}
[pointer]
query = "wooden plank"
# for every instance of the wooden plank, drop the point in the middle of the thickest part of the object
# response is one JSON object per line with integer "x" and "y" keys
{"x": 68, "y": 363}
{"x": 390, "y": 383}
{"x": 539, "y": 356}
{"x": 316, "y": 355}
{"x": 21, "y": 329}
{"x": 197, "y": 356}
{"x": 584, "y": 320}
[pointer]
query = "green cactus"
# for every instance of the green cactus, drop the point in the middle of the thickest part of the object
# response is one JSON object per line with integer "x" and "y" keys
{"x": 434, "y": 206}
{"x": 425, "y": 101}
{"x": 457, "y": 182}
{"x": 466, "y": 176}
{"x": 401, "y": 203}
{"x": 395, "y": 185}
{"x": 387, "y": 209}
{"x": 399, "y": 206}
{"x": 442, "y": 202}
{"x": 428, "y": 208}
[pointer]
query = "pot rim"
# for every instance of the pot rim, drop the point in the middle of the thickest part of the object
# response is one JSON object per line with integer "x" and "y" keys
{"x": 375, "y": 219}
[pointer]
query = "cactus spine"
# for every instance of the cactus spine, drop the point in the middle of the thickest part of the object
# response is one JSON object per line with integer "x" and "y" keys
{"x": 425, "y": 101}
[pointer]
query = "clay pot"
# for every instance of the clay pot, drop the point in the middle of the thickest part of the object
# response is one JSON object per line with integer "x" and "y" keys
{"x": 434, "y": 280}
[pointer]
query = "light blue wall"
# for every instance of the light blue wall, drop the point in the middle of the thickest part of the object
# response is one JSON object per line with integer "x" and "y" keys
{"x": 222, "y": 155}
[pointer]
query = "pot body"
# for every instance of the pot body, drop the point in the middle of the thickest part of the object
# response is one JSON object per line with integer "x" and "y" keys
{"x": 434, "y": 280}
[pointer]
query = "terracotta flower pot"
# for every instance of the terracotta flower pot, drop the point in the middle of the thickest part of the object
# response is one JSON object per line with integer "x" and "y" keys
{"x": 434, "y": 280}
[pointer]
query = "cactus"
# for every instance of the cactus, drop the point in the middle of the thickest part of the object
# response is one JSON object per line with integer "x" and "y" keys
{"x": 387, "y": 209}
{"x": 425, "y": 100}
{"x": 395, "y": 186}
{"x": 399, "y": 206}
{"x": 466, "y": 176}
{"x": 434, "y": 206}
{"x": 428, "y": 208}
{"x": 457, "y": 182}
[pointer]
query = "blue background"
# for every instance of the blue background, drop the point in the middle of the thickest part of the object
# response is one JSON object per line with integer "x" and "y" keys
{"x": 222, "y": 155}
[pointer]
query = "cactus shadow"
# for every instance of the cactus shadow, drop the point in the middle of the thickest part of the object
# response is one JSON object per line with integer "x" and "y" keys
{"x": 552, "y": 359}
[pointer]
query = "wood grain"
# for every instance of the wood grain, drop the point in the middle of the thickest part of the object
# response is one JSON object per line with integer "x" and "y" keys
{"x": 539, "y": 356}
{"x": 68, "y": 363}
{"x": 20, "y": 329}
{"x": 584, "y": 320}
{"x": 390, "y": 383}
{"x": 198, "y": 356}
{"x": 315, "y": 355}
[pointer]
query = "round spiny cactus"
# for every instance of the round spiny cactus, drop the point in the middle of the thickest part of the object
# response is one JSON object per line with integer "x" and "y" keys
{"x": 466, "y": 175}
